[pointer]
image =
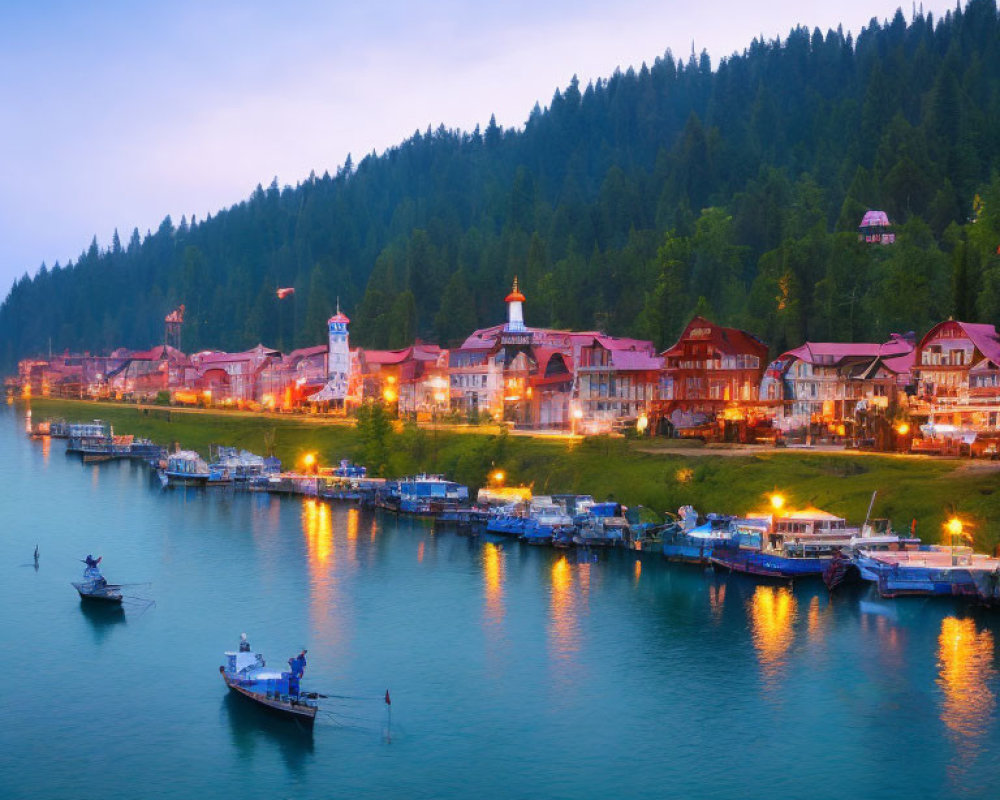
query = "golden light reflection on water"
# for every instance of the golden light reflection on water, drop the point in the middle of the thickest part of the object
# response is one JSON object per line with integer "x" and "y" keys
{"x": 493, "y": 578}
{"x": 353, "y": 516}
{"x": 717, "y": 600}
{"x": 637, "y": 570}
{"x": 564, "y": 625}
{"x": 965, "y": 671}
{"x": 46, "y": 448}
{"x": 318, "y": 530}
{"x": 772, "y": 612}
{"x": 420, "y": 552}
{"x": 817, "y": 619}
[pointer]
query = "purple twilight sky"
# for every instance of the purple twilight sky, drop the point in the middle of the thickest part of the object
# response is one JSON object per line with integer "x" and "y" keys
{"x": 115, "y": 114}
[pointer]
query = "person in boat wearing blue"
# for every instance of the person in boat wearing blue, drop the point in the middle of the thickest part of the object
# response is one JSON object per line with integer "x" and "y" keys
{"x": 298, "y": 667}
{"x": 244, "y": 643}
{"x": 92, "y": 562}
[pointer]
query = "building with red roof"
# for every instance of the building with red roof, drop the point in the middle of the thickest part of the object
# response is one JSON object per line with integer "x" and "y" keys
{"x": 710, "y": 382}
{"x": 829, "y": 388}
{"x": 957, "y": 381}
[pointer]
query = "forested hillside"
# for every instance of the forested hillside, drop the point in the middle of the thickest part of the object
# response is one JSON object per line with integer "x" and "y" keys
{"x": 624, "y": 205}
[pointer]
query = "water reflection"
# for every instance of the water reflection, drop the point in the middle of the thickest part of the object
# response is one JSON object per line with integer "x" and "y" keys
{"x": 46, "y": 448}
{"x": 637, "y": 571}
{"x": 716, "y": 600}
{"x": 251, "y": 726}
{"x": 965, "y": 670}
{"x": 318, "y": 530}
{"x": 772, "y": 612}
{"x": 564, "y": 625}
{"x": 493, "y": 577}
{"x": 103, "y": 617}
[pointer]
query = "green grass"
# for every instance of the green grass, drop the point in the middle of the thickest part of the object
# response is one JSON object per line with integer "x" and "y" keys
{"x": 925, "y": 489}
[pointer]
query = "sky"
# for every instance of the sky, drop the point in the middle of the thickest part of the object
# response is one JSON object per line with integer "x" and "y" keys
{"x": 114, "y": 114}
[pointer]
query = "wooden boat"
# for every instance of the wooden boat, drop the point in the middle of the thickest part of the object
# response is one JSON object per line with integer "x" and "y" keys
{"x": 245, "y": 673}
{"x": 95, "y": 588}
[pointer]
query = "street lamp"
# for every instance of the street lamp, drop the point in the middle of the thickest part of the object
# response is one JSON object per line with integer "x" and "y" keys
{"x": 577, "y": 416}
{"x": 777, "y": 501}
{"x": 641, "y": 424}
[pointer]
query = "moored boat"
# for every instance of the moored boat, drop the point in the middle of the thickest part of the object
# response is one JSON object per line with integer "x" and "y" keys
{"x": 186, "y": 468}
{"x": 277, "y": 691}
{"x": 693, "y": 540}
{"x": 929, "y": 571}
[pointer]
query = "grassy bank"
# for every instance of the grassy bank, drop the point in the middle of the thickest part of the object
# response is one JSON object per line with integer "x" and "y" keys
{"x": 925, "y": 489}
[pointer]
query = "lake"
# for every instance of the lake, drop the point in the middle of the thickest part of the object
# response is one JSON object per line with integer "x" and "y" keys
{"x": 514, "y": 671}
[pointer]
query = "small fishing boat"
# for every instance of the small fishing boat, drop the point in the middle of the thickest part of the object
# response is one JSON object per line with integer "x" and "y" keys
{"x": 277, "y": 691}
{"x": 507, "y": 521}
{"x": 94, "y": 587}
{"x": 88, "y": 437}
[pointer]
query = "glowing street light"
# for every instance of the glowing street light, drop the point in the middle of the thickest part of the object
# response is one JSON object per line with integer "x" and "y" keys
{"x": 498, "y": 477}
{"x": 309, "y": 460}
{"x": 389, "y": 395}
{"x": 777, "y": 501}
{"x": 902, "y": 429}
{"x": 642, "y": 423}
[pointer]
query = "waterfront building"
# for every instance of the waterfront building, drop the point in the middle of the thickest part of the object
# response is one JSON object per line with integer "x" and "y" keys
{"x": 142, "y": 374}
{"x": 957, "y": 382}
{"x": 544, "y": 378}
{"x": 234, "y": 377}
{"x": 339, "y": 364}
{"x": 822, "y": 388}
{"x": 710, "y": 382}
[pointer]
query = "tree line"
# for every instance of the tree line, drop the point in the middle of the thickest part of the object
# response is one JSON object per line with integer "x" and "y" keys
{"x": 626, "y": 206}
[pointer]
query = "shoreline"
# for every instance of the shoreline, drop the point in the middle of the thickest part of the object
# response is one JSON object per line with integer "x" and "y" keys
{"x": 712, "y": 479}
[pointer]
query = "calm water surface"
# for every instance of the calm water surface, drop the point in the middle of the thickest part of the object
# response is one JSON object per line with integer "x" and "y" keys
{"x": 514, "y": 671}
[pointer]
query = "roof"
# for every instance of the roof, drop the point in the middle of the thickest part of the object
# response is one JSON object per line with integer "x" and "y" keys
{"x": 728, "y": 340}
{"x": 339, "y": 317}
{"x": 830, "y": 353}
{"x": 386, "y": 356}
{"x": 307, "y": 352}
{"x": 874, "y": 219}
{"x": 981, "y": 334}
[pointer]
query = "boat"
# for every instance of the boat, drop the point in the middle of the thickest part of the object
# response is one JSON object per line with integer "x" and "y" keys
{"x": 186, "y": 468}
{"x": 429, "y": 495}
{"x": 510, "y": 520}
{"x": 547, "y": 520}
{"x": 929, "y": 571}
{"x": 88, "y": 437}
{"x": 274, "y": 690}
{"x": 793, "y": 545}
{"x": 693, "y": 539}
{"x": 94, "y": 587}
{"x": 602, "y": 525}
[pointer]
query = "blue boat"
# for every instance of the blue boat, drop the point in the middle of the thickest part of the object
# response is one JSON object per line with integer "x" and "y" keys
{"x": 429, "y": 495}
{"x": 602, "y": 525}
{"x": 507, "y": 521}
{"x": 693, "y": 543}
{"x": 275, "y": 690}
{"x": 929, "y": 571}
{"x": 185, "y": 468}
{"x": 94, "y": 586}
{"x": 797, "y": 545}
{"x": 546, "y": 521}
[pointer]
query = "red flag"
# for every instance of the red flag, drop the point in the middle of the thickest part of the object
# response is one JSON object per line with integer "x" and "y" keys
{"x": 388, "y": 702}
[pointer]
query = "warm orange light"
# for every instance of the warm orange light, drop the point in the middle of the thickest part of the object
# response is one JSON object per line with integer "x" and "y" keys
{"x": 207, "y": 394}
{"x": 389, "y": 395}
{"x": 498, "y": 477}
{"x": 390, "y": 379}
{"x": 577, "y": 413}
{"x": 777, "y": 501}
{"x": 309, "y": 459}
{"x": 902, "y": 429}
{"x": 954, "y": 526}
{"x": 642, "y": 423}
{"x": 438, "y": 397}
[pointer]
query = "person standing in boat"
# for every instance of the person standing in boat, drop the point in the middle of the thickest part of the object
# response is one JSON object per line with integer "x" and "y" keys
{"x": 244, "y": 644}
{"x": 92, "y": 562}
{"x": 298, "y": 668}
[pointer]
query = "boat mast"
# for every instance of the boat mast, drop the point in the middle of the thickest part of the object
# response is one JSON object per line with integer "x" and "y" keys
{"x": 869, "y": 514}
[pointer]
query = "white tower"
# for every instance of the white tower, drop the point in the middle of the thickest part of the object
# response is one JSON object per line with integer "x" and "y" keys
{"x": 515, "y": 312}
{"x": 339, "y": 359}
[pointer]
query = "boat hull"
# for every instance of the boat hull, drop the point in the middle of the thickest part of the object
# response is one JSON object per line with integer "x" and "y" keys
{"x": 290, "y": 709}
{"x": 107, "y": 596}
{"x": 767, "y": 565}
